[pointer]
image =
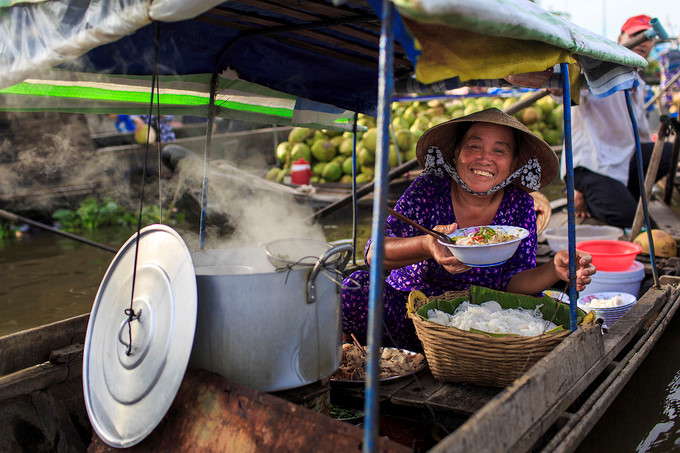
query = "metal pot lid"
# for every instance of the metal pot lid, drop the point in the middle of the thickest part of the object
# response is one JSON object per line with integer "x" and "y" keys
{"x": 127, "y": 395}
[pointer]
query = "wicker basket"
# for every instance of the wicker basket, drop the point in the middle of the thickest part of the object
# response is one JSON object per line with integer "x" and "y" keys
{"x": 543, "y": 211}
{"x": 455, "y": 355}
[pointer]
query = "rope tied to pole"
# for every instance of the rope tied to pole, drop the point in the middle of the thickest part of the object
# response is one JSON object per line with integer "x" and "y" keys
{"x": 132, "y": 315}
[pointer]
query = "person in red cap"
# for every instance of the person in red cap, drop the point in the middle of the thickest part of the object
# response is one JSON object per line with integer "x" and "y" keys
{"x": 632, "y": 28}
{"x": 605, "y": 167}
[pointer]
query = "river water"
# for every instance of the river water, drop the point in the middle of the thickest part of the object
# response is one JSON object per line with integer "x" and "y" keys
{"x": 46, "y": 277}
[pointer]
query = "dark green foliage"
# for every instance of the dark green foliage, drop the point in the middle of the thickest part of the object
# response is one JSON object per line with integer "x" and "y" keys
{"x": 5, "y": 230}
{"x": 94, "y": 213}
{"x": 344, "y": 413}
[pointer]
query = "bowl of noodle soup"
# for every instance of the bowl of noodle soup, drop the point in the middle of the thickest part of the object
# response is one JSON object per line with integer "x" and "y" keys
{"x": 485, "y": 246}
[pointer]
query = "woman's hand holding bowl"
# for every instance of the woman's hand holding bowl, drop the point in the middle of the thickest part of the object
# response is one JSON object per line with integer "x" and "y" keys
{"x": 442, "y": 254}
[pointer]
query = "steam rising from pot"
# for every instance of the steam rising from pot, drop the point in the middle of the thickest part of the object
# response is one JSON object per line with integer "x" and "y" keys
{"x": 46, "y": 151}
{"x": 256, "y": 212}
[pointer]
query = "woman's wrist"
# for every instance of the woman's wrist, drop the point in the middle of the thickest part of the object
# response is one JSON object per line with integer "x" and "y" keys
{"x": 557, "y": 276}
{"x": 426, "y": 245}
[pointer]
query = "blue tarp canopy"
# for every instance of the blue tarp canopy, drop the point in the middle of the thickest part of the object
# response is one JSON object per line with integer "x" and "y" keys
{"x": 311, "y": 49}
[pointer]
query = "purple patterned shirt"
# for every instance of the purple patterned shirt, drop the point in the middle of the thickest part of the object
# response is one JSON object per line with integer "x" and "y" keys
{"x": 428, "y": 202}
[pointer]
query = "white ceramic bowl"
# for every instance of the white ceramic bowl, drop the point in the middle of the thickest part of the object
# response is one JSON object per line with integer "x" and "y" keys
{"x": 558, "y": 238}
{"x": 486, "y": 255}
{"x": 626, "y": 300}
{"x": 608, "y": 314}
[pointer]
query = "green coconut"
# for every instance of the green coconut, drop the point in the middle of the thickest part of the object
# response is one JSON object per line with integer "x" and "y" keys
{"x": 299, "y": 134}
{"x": 301, "y": 151}
{"x": 323, "y": 150}
{"x": 332, "y": 172}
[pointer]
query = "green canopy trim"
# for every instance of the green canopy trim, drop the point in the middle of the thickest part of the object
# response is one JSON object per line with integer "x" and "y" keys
{"x": 178, "y": 95}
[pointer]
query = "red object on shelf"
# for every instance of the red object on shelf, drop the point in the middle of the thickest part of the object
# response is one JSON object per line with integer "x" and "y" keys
{"x": 609, "y": 255}
{"x": 301, "y": 172}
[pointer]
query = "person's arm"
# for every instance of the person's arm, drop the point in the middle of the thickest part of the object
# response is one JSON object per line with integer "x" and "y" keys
{"x": 401, "y": 252}
{"x": 139, "y": 122}
{"x": 533, "y": 281}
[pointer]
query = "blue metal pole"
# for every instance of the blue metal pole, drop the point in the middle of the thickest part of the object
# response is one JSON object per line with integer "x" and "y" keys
{"x": 571, "y": 223}
{"x": 355, "y": 202}
{"x": 375, "y": 301}
{"x": 641, "y": 180}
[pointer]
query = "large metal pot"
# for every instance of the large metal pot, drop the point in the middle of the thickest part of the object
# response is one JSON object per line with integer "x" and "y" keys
{"x": 266, "y": 329}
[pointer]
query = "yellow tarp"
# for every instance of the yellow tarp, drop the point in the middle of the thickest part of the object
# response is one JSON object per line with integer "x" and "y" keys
{"x": 449, "y": 52}
{"x": 470, "y": 56}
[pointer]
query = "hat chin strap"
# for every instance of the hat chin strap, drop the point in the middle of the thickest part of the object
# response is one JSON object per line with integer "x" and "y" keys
{"x": 529, "y": 174}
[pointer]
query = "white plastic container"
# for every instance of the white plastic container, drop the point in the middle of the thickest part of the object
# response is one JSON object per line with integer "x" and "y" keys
{"x": 558, "y": 238}
{"x": 628, "y": 281}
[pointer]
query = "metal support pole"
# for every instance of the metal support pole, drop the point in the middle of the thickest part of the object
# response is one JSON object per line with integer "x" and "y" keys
{"x": 206, "y": 160}
{"x": 571, "y": 217}
{"x": 641, "y": 180}
{"x": 375, "y": 301}
{"x": 355, "y": 199}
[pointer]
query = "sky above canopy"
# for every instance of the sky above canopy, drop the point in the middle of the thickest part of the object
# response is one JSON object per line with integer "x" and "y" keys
{"x": 590, "y": 13}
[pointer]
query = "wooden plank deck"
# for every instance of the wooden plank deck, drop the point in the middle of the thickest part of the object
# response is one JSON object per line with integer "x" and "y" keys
{"x": 665, "y": 218}
{"x": 537, "y": 401}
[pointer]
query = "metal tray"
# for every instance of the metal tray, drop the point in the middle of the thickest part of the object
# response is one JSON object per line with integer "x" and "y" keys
{"x": 357, "y": 382}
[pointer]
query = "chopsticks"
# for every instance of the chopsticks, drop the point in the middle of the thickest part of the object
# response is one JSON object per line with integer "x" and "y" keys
{"x": 434, "y": 233}
{"x": 358, "y": 345}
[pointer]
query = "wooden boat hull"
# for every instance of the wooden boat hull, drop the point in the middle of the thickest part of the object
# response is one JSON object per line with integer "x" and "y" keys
{"x": 41, "y": 394}
{"x": 553, "y": 405}
{"x": 211, "y": 414}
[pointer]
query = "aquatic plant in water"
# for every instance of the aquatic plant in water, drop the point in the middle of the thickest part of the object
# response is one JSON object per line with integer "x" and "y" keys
{"x": 5, "y": 230}
{"x": 94, "y": 213}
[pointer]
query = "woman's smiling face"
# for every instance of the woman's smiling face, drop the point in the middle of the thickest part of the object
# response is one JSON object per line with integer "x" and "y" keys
{"x": 486, "y": 156}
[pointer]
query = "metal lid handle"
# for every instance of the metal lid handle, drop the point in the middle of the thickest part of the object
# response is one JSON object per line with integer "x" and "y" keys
{"x": 344, "y": 249}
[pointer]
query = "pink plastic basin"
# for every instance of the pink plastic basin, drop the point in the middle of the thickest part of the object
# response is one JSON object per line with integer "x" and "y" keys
{"x": 610, "y": 255}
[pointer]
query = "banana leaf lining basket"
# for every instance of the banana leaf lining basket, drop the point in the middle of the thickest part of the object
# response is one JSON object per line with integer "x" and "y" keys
{"x": 461, "y": 356}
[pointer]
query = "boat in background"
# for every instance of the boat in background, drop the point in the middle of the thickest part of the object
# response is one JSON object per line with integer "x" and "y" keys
{"x": 475, "y": 418}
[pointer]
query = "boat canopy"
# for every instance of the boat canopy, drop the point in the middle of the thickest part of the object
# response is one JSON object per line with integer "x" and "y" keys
{"x": 281, "y": 61}
{"x": 82, "y": 92}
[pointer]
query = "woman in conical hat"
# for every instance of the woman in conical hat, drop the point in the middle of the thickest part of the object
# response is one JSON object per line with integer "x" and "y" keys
{"x": 478, "y": 170}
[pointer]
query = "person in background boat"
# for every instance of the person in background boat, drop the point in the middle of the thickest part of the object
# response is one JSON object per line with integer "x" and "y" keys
{"x": 603, "y": 145}
{"x": 669, "y": 63}
{"x": 478, "y": 170}
{"x": 123, "y": 123}
{"x": 164, "y": 130}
